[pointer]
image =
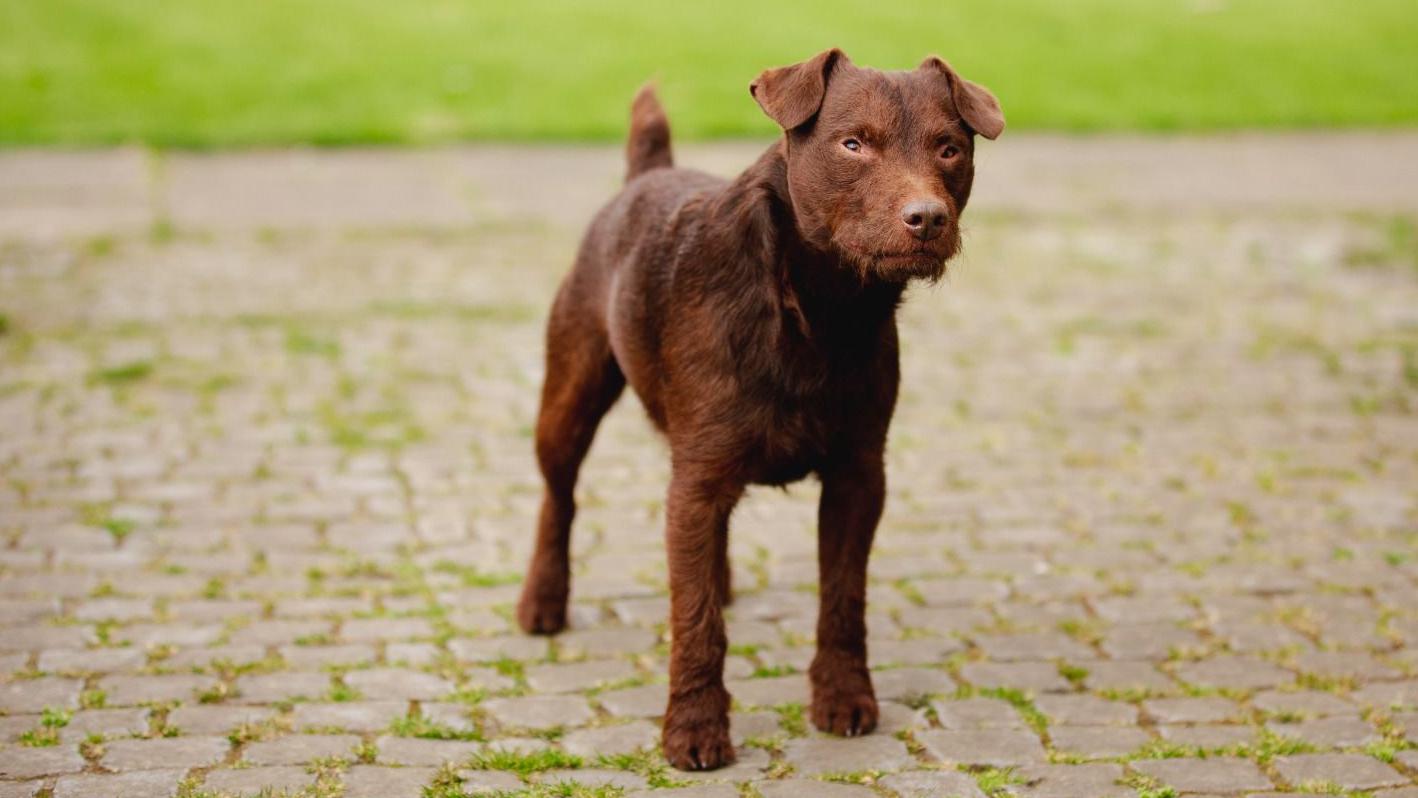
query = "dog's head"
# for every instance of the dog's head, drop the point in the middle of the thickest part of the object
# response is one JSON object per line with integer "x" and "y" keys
{"x": 879, "y": 163}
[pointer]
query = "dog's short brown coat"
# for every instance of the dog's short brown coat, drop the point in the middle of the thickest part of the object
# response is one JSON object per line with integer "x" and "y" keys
{"x": 755, "y": 319}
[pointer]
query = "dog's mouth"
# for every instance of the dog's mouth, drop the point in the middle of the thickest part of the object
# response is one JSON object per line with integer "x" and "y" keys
{"x": 899, "y": 265}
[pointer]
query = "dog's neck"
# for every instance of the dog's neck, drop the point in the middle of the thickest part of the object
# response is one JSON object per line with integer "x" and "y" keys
{"x": 820, "y": 292}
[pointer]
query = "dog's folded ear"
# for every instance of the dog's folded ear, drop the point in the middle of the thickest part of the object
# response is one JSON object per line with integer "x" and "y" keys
{"x": 792, "y": 95}
{"x": 976, "y": 105}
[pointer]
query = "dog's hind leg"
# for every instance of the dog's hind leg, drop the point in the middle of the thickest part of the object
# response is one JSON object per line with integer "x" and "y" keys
{"x": 582, "y": 382}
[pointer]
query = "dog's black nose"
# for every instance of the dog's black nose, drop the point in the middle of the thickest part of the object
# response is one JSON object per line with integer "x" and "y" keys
{"x": 925, "y": 218}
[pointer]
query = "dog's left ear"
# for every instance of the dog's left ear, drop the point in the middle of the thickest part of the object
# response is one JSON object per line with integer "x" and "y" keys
{"x": 792, "y": 95}
{"x": 976, "y": 105}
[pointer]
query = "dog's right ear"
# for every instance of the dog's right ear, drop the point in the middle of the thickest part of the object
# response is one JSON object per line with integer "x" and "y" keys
{"x": 792, "y": 95}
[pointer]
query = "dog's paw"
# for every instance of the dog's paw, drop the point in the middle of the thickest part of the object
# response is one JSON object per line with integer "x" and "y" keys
{"x": 845, "y": 711}
{"x": 703, "y": 746}
{"x": 541, "y": 616}
{"x": 697, "y": 737}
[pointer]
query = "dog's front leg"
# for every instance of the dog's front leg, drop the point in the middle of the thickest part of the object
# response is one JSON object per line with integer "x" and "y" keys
{"x": 696, "y": 732}
{"x": 852, "y": 496}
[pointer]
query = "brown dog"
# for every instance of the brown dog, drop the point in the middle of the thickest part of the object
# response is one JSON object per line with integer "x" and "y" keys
{"x": 756, "y": 321}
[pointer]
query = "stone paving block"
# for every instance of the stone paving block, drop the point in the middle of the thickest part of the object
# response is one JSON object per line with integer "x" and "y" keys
{"x": 910, "y": 684}
{"x": 33, "y": 638}
{"x": 1208, "y": 736}
{"x": 489, "y": 782}
{"x": 538, "y": 712}
{"x": 1125, "y": 675}
{"x": 361, "y": 630}
{"x": 1143, "y": 609}
{"x": 298, "y": 749}
{"x": 776, "y": 690}
{"x": 757, "y": 725}
{"x": 1147, "y": 641}
{"x": 1031, "y": 677}
{"x": 139, "y": 784}
{"x": 1097, "y": 742}
{"x": 106, "y": 722}
{"x": 1032, "y": 646}
{"x": 805, "y": 788}
{"x": 20, "y": 789}
{"x": 12, "y": 726}
{"x": 555, "y": 678}
{"x": 400, "y": 684}
{"x": 431, "y": 753}
{"x": 942, "y": 621}
{"x": 1085, "y": 710}
{"x": 17, "y": 762}
{"x": 279, "y": 632}
{"x": 1260, "y": 637}
{"x": 645, "y": 701}
{"x": 1407, "y": 722}
{"x": 412, "y": 654}
{"x": 612, "y": 642}
{"x": 215, "y": 656}
{"x": 268, "y": 688}
{"x": 1329, "y": 732}
{"x": 489, "y": 649}
{"x": 989, "y": 747}
{"x": 918, "y": 651}
{"x": 1344, "y": 664}
{"x": 354, "y": 716}
{"x": 977, "y": 713}
{"x": 1207, "y": 709}
{"x": 593, "y": 777}
{"x": 839, "y": 755}
{"x": 931, "y": 784}
{"x": 454, "y": 716}
{"x": 612, "y": 740}
{"x": 1308, "y": 703}
{"x": 1350, "y": 771}
{"x": 894, "y": 718}
{"x": 94, "y": 660}
{"x": 246, "y": 782}
{"x": 1388, "y": 695}
{"x": 325, "y": 656}
{"x": 1072, "y": 781}
{"x": 150, "y": 635}
{"x": 697, "y": 791}
{"x": 1234, "y": 672}
{"x": 34, "y": 695}
{"x": 165, "y": 752}
{"x": 114, "y": 609}
{"x": 131, "y": 690}
{"x": 370, "y": 781}
{"x": 1217, "y": 775}
{"x": 216, "y": 719}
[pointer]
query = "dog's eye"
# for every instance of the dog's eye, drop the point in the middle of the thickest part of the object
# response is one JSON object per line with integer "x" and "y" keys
{"x": 853, "y": 145}
{"x": 949, "y": 152}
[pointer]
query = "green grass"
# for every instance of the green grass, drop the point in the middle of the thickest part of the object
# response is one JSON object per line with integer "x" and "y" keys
{"x": 206, "y": 73}
{"x": 525, "y": 762}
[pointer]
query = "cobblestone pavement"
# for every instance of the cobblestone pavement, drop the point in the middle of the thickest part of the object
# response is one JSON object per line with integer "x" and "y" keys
{"x": 266, "y": 488}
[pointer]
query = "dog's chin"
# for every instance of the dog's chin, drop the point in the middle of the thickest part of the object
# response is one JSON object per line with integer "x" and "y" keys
{"x": 923, "y": 263}
{"x": 900, "y": 268}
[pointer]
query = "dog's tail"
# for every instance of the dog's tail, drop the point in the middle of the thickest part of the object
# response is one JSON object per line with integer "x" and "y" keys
{"x": 649, "y": 144}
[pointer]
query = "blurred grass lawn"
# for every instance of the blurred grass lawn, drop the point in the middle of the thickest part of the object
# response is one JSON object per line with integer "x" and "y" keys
{"x": 218, "y": 73}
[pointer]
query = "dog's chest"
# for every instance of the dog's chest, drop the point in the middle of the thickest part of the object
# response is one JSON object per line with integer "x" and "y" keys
{"x": 792, "y": 435}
